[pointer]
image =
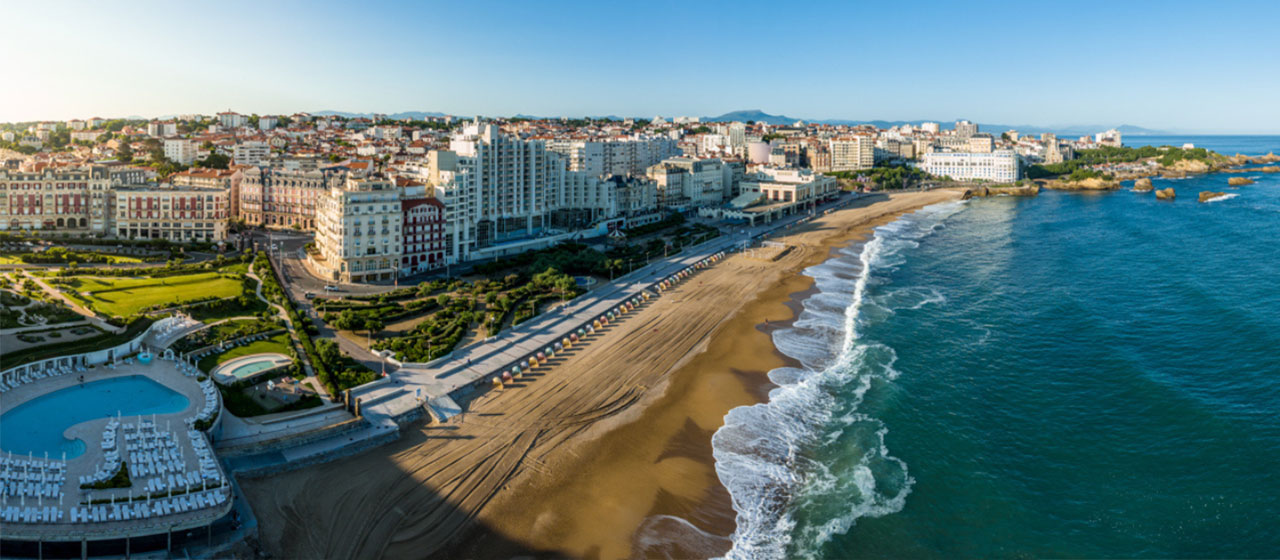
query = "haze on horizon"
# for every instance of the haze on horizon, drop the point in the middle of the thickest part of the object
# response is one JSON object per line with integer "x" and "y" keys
{"x": 1173, "y": 65}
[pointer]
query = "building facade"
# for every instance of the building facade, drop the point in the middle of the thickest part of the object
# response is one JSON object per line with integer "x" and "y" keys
{"x": 279, "y": 199}
{"x": 422, "y": 248}
{"x": 685, "y": 183}
{"x": 998, "y": 166}
{"x": 74, "y": 199}
{"x": 358, "y": 231}
{"x": 851, "y": 153}
{"x": 173, "y": 213}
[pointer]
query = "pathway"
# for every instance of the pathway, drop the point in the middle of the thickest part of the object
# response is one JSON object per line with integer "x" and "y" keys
{"x": 293, "y": 335}
{"x": 80, "y": 309}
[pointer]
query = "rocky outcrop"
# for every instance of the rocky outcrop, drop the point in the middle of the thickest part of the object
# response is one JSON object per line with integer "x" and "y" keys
{"x": 1191, "y": 166}
{"x": 1206, "y": 196}
{"x": 1269, "y": 158}
{"x": 1166, "y": 194}
{"x": 1263, "y": 169}
{"x": 1142, "y": 185}
{"x": 1237, "y": 182}
{"x": 1094, "y": 184}
{"x": 1003, "y": 190}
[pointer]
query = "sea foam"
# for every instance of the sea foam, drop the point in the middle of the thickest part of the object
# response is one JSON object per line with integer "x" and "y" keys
{"x": 764, "y": 453}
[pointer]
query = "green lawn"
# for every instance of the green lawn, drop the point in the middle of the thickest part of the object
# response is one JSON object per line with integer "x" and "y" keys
{"x": 127, "y": 296}
{"x": 278, "y": 344}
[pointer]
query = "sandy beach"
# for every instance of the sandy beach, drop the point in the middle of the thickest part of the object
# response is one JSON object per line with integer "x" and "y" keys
{"x": 593, "y": 457}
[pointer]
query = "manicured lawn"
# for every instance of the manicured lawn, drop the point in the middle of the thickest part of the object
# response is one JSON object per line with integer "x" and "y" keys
{"x": 126, "y": 296}
{"x": 278, "y": 344}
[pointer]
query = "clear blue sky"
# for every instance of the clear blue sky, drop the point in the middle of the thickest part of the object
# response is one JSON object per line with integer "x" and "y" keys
{"x": 1189, "y": 66}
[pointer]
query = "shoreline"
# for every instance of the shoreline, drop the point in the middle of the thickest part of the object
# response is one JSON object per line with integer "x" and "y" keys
{"x": 669, "y": 436}
{"x": 577, "y": 459}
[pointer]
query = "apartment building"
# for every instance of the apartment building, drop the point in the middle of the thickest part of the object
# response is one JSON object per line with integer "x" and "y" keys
{"x": 279, "y": 198}
{"x": 250, "y": 153}
{"x": 74, "y": 199}
{"x": 999, "y": 166}
{"x": 359, "y": 231}
{"x": 851, "y": 153}
{"x": 267, "y": 122}
{"x": 224, "y": 179}
{"x": 162, "y": 129}
{"x": 230, "y": 119}
{"x": 626, "y": 155}
{"x": 180, "y": 150}
{"x": 685, "y": 183}
{"x": 965, "y": 129}
{"x": 174, "y": 213}
{"x": 422, "y": 248}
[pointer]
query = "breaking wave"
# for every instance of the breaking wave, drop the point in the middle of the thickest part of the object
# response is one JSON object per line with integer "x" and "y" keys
{"x": 807, "y": 451}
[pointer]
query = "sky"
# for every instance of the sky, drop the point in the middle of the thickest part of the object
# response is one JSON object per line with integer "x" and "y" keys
{"x": 1172, "y": 65}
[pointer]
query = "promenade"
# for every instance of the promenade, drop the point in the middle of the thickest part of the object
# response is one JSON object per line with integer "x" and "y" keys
{"x": 438, "y": 381}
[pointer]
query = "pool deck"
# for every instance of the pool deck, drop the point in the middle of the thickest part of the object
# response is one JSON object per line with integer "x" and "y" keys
{"x": 161, "y": 371}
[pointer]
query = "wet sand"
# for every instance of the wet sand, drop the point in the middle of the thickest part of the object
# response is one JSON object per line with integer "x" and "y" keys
{"x": 607, "y": 454}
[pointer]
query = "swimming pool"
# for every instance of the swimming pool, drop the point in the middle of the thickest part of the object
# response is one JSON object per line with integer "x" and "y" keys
{"x": 247, "y": 366}
{"x": 37, "y": 425}
{"x": 250, "y": 368}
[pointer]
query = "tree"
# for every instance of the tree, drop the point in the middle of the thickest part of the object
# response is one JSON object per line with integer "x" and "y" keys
{"x": 214, "y": 161}
{"x": 125, "y": 153}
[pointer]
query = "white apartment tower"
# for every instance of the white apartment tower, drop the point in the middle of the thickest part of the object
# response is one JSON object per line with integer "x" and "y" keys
{"x": 851, "y": 153}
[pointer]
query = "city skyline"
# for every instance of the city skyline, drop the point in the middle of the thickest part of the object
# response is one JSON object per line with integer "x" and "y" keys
{"x": 1098, "y": 64}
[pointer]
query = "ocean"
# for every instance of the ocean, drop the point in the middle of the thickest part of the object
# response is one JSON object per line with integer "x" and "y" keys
{"x": 1069, "y": 375}
{"x": 1223, "y": 144}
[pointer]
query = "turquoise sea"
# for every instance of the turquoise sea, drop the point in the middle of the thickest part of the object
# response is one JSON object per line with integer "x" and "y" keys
{"x": 1071, "y": 375}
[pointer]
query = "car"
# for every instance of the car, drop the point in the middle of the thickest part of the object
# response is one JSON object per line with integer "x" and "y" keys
{"x": 310, "y": 295}
{"x": 332, "y": 288}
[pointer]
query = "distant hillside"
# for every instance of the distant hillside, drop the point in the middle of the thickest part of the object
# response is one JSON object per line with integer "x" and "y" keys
{"x": 754, "y": 115}
{"x": 757, "y": 115}
{"x": 415, "y": 115}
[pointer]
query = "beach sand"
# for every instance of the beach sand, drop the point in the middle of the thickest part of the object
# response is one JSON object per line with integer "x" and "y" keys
{"x": 596, "y": 456}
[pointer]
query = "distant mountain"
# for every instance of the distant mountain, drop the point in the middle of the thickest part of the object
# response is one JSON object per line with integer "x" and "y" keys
{"x": 755, "y": 115}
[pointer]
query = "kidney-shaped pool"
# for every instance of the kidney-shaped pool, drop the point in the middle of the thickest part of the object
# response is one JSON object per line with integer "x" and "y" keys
{"x": 37, "y": 425}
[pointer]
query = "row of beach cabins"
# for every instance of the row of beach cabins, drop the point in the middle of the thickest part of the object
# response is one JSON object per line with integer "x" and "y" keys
{"x": 520, "y": 367}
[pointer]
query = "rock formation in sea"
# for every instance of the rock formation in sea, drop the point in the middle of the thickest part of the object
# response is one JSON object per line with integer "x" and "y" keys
{"x": 1142, "y": 185}
{"x": 1238, "y": 182}
{"x": 1092, "y": 184}
{"x": 1166, "y": 194}
{"x": 1003, "y": 190}
{"x": 1206, "y": 196}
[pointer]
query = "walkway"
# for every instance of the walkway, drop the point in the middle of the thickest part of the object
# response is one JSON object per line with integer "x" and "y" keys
{"x": 436, "y": 381}
{"x": 80, "y": 309}
{"x": 293, "y": 336}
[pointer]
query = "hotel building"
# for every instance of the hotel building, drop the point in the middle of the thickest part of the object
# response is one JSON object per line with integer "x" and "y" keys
{"x": 358, "y": 231}
{"x": 999, "y": 166}
{"x": 278, "y": 199}
{"x": 75, "y": 199}
{"x": 174, "y": 213}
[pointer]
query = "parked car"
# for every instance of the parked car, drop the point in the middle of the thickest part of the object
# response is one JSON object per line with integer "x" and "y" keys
{"x": 310, "y": 295}
{"x": 332, "y": 288}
